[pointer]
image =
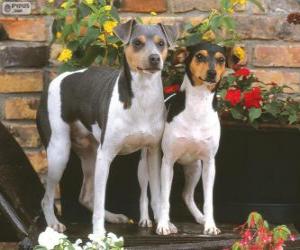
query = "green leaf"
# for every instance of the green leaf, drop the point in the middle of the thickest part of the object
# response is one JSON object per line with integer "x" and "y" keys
{"x": 254, "y": 114}
{"x": 192, "y": 39}
{"x": 91, "y": 20}
{"x": 254, "y": 219}
{"x": 236, "y": 114}
{"x": 292, "y": 118}
{"x": 90, "y": 36}
{"x": 229, "y": 23}
{"x": 258, "y": 4}
{"x": 139, "y": 20}
{"x": 39, "y": 248}
{"x": 272, "y": 108}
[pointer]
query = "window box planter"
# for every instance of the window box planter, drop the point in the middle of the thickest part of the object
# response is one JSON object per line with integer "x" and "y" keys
{"x": 258, "y": 170}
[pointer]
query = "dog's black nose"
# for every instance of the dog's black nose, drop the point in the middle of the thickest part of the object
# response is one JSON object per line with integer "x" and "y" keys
{"x": 211, "y": 74}
{"x": 154, "y": 59}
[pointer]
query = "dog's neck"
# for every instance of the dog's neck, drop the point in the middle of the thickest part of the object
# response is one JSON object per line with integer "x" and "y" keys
{"x": 134, "y": 84}
{"x": 197, "y": 98}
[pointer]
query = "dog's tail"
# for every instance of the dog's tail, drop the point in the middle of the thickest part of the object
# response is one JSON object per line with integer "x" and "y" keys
{"x": 42, "y": 119}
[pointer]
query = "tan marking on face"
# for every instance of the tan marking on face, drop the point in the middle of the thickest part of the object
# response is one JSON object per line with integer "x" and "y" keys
{"x": 142, "y": 38}
{"x": 164, "y": 53}
{"x": 132, "y": 57}
{"x": 157, "y": 39}
{"x": 199, "y": 69}
{"x": 220, "y": 68}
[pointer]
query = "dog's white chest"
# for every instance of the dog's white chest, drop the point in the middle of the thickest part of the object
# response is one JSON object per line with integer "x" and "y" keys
{"x": 142, "y": 124}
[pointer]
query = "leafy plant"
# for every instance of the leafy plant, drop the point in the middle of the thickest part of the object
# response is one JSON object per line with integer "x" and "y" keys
{"x": 243, "y": 97}
{"x": 85, "y": 31}
{"x": 256, "y": 234}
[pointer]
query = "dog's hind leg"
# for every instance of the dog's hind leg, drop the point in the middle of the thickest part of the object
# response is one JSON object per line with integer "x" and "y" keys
{"x": 192, "y": 174}
{"x": 143, "y": 178}
{"x": 58, "y": 152}
{"x": 208, "y": 179}
{"x": 87, "y": 156}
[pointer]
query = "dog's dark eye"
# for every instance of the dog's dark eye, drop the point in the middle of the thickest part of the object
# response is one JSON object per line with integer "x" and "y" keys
{"x": 161, "y": 43}
{"x": 221, "y": 60}
{"x": 201, "y": 58}
{"x": 137, "y": 43}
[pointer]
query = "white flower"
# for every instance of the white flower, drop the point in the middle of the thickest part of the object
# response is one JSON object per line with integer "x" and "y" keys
{"x": 50, "y": 238}
{"x": 96, "y": 238}
{"x": 76, "y": 245}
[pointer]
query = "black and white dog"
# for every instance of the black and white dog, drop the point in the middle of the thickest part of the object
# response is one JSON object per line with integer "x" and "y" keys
{"x": 103, "y": 112}
{"x": 191, "y": 136}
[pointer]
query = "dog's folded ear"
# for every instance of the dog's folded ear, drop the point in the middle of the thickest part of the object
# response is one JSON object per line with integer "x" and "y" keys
{"x": 124, "y": 30}
{"x": 180, "y": 55}
{"x": 171, "y": 33}
{"x": 232, "y": 59}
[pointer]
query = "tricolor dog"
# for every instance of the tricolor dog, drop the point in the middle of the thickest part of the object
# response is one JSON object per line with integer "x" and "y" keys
{"x": 191, "y": 135}
{"x": 102, "y": 112}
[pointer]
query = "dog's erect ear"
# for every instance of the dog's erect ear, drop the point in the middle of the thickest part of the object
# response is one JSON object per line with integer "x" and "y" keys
{"x": 180, "y": 55}
{"x": 124, "y": 30}
{"x": 171, "y": 32}
{"x": 232, "y": 59}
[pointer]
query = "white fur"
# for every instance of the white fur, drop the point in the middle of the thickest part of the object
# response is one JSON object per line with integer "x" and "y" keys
{"x": 191, "y": 137}
{"x": 127, "y": 130}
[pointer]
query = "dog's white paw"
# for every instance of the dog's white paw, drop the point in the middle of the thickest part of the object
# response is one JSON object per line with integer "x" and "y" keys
{"x": 145, "y": 223}
{"x": 166, "y": 228}
{"x": 117, "y": 218}
{"x": 211, "y": 229}
{"x": 58, "y": 227}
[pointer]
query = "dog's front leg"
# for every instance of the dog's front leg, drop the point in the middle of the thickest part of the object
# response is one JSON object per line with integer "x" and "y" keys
{"x": 154, "y": 162}
{"x": 143, "y": 178}
{"x": 208, "y": 178}
{"x": 103, "y": 161}
{"x": 164, "y": 226}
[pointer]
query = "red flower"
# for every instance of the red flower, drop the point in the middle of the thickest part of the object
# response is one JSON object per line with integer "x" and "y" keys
{"x": 242, "y": 72}
{"x": 171, "y": 89}
{"x": 233, "y": 96}
{"x": 253, "y": 98}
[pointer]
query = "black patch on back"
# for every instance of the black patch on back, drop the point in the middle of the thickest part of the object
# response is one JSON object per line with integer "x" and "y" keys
{"x": 175, "y": 105}
{"x": 86, "y": 96}
{"x": 124, "y": 86}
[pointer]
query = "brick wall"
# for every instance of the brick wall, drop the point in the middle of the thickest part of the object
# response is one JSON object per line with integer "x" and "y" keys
{"x": 273, "y": 48}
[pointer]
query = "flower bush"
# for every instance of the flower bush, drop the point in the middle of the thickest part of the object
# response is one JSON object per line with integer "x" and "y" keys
{"x": 85, "y": 31}
{"x": 52, "y": 240}
{"x": 243, "y": 97}
{"x": 256, "y": 234}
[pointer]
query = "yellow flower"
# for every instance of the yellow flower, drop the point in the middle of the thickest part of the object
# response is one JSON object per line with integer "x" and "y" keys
{"x": 89, "y": 1}
{"x": 130, "y": 221}
{"x": 102, "y": 38}
{"x": 152, "y": 13}
{"x": 107, "y": 7}
{"x": 209, "y": 36}
{"x": 241, "y": 2}
{"x": 64, "y": 5}
{"x": 230, "y": 10}
{"x": 50, "y": 1}
{"x": 65, "y": 55}
{"x": 239, "y": 53}
{"x": 58, "y": 35}
{"x": 109, "y": 26}
{"x": 205, "y": 21}
{"x": 114, "y": 45}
